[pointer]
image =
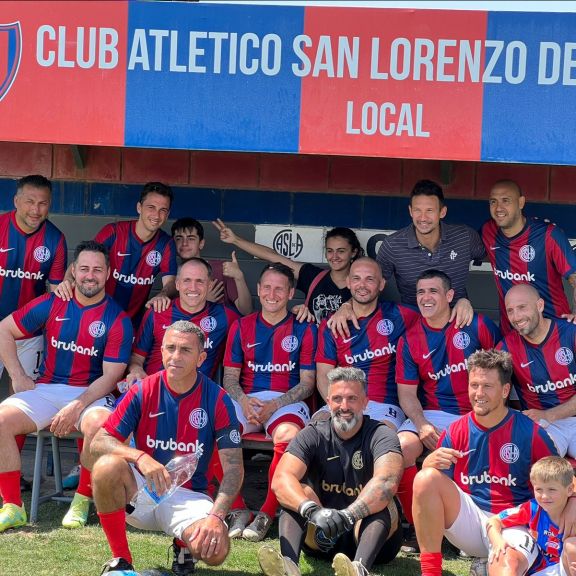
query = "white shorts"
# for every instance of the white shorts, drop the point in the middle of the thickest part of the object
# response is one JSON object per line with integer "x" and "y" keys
{"x": 298, "y": 409}
{"x": 552, "y": 570}
{"x": 30, "y": 353}
{"x": 380, "y": 412}
{"x": 468, "y": 532}
{"x": 563, "y": 433}
{"x": 46, "y": 400}
{"x": 437, "y": 418}
{"x": 173, "y": 515}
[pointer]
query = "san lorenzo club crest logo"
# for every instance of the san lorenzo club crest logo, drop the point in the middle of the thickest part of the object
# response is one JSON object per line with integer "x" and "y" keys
{"x": 461, "y": 340}
{"x": 153, "y": 258}
{"x": 289, "y": 344}
{"x": 208, "y": 324}
{"x": 198, "y": 418}
{"x": 41, "y": 254}
{"x": 97, "y": 329}
{"x": 564, "y": 356}
{"x": 509, "y": 453}
{"x": 288, "y": 243}
{"x": 527, "y": 253}
{"x": 10, "y": 55}
{"x": 385, "y": 327}
{"x": 357, "y": 461}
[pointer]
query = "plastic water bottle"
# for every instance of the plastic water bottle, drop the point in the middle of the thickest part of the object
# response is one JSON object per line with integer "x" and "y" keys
{"x": 181, "y": 469}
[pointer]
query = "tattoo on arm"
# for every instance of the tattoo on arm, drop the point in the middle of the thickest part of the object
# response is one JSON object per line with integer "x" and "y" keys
{"x": 231, "y": 383}
{"x": 301, "y": 391}
{"x": 233, "y": 468}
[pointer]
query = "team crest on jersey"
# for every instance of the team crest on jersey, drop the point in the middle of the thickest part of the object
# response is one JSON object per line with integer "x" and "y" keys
{"x": 289, "y": 343}
{"x": 385, "y": 327}
{"x": 461, "y": 340}
{"x": 357, "y": 462}
{"x": 235, "y": 436}
{"x": 564, "y": 356}
{"x": 509, "y": 453}
{"x": 153, "y": 258}
{"x": 11, "y": 40}
{"x": 198, "y": 418}
{"x": 527, "y": 253}
{"x": 41, "y": 254}
{"x": 208, "y": 324}
{"x": 97, "y": 329}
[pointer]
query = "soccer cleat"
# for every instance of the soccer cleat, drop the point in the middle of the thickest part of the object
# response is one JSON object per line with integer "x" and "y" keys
{"x": 77, "y": 514}
{"x": 237, "y": 521}
{"x": 273, "y": 563}
{"x": 258, "y": 528}
{"x": 71, "y": 481}
{"x": 410, "y": 543}
{"x": 343, "y": 566}
{"x": 118, "y": 566}
{"x": 12, "y": 516}
{"x": 184, "y": 563}
{"x": 479, "y": 567}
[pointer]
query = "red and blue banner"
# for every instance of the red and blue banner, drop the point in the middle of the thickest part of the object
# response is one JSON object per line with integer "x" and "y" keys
{"x": 441, "y": 84}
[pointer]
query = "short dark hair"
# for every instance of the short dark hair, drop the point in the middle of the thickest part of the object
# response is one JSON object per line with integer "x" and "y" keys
{"x": 188, "y": 224}
{"x": 201, "y": 261}
{"x": 34, "y": 180}
{"x": 281, "y": 269}
{"x": 91, "y": 246}
{"x": 492, "y": 359}
{"x": 433, "y": 273}
{"x": 156, "y": 188}
{"x": 349, "y": 235}
{"x": 427, "y": 188}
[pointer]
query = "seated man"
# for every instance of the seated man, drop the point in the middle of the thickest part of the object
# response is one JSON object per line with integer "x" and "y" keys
{"x": 337, "y": 482}
{"x": 269, "y": 371}
{"x": 481, "y": 467}
{"x": 173, "y": 412}
{"x": 86, "y": 350}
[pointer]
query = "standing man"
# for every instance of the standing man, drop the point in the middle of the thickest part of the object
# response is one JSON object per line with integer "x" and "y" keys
{"x": 33, "y": 257}
{"x": 192, "y": 414}
{"x": 542, "y": 351}
{"x": 228, "y": 285}
{"x": 86, "y": 350}
{"x": 428, "y": 243}
{"x": 372, "y": 348}
{"x": 193, "y": 281}
{"x": 482, "y": 466}
{"x": 269, "y": 371}
{"x": 139, "y": 251}
{"x": 431, "y": 373}
{"x": 336, "y": 484}
{"x": 523, "y": 250}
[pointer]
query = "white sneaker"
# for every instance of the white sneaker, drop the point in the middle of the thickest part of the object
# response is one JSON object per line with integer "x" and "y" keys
{"x": 258, "y": 528}
{"x": 273, "y": 563}
{"x": 343, "y": 566}
{"x": 237, "y": 521}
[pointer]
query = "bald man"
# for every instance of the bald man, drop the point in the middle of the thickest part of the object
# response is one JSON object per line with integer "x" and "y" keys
{"x": 544, "y": 365}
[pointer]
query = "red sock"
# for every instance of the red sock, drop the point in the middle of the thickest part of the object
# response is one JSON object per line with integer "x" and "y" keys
{"x": 431, "y": 563}
{"x": 114, "y": 526}
{"x": 20, "y": 440}
{"x": 271, "y": 504}
{"x": 180, "y": 543}
{"x": 80, "y": 444}
{"x": 10, "y": 487}
{"x": 238, "y": 503}
{"x": 84, "y": 486}
{"x": 405, "y": 492}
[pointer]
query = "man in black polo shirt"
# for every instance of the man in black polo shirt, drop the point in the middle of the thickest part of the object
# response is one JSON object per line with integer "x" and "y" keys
{"x": 336, "y": 483}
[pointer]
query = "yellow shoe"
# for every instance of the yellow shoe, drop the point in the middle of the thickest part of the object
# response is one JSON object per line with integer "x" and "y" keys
{"x": 77, "y": 514}
{"x": 12, "y": 516}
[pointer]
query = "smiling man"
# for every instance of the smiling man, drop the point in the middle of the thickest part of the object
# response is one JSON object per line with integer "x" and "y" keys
{"x": 269, "y": 371}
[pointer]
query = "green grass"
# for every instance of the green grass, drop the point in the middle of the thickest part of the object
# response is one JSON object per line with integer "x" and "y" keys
{"x": 45, "y": 549}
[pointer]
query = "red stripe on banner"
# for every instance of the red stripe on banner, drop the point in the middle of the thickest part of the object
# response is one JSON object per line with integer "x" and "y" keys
{"x": 374, "y": 115}
{"x": 3, "y": 55}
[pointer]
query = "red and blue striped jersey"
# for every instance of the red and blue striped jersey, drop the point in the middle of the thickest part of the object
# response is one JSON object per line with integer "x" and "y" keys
{"x": 28, "y": 261}
{"x": 539, "y": 255}
{"x": 135, "y": 264}
{"x": 435, "y": 360}
{"x": 270, "y": 357}
{"x": 166, "y": 424}
{"x": 372, "y": 348}
{"x": 545, "y": 533}
{"x": 77, "y": 339}
{"x": 545, "y": 373}
{"x": 214, "y": 320}
{"x": 496, "y": 470}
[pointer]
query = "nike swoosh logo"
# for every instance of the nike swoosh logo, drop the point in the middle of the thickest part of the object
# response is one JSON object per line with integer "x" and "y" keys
{"x": 332, "y": 458}
{"x": 220, "y": 438}
{"x": 6, "y": 249}
{"x": 58, "y": 319}
{"x": 123, "y": 253}
{"x": 425, "y": 356}
{"x": 523, "y": 365}
{"x": 150, "y": 415}
{"x": 346, "y": 340}
{"x": 252, "y": 345}
{"x": 494, "y": 247}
